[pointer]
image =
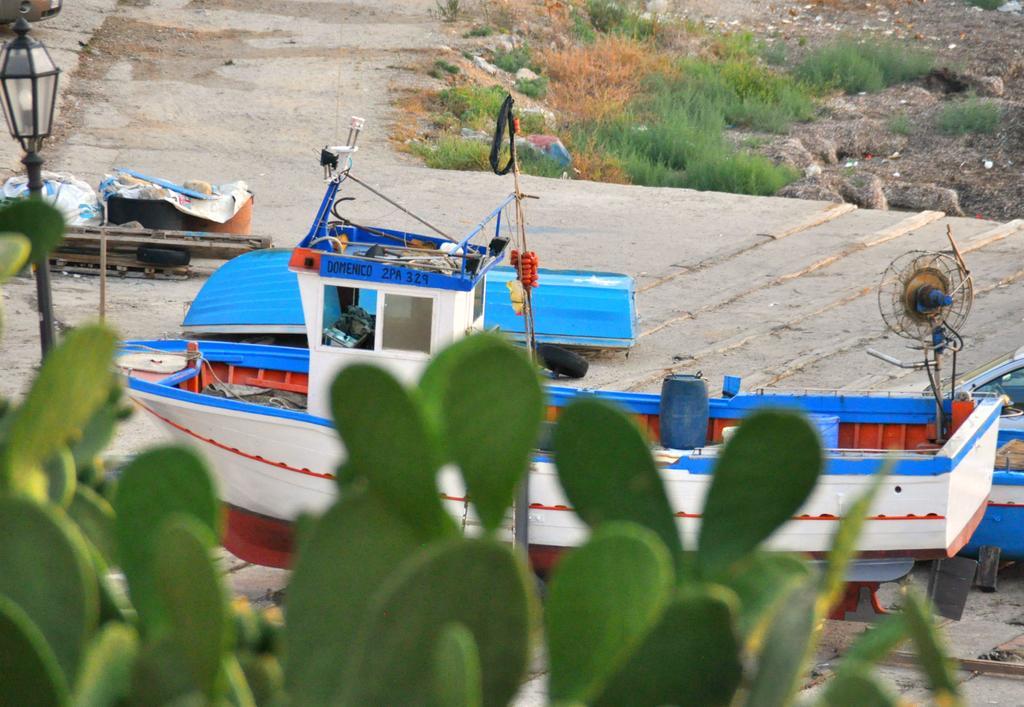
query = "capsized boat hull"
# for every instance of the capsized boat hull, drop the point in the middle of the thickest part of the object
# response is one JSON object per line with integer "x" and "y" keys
{"x": 272, "y": 465}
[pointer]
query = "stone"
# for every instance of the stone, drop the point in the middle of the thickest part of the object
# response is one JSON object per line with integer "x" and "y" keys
{"x": 524, "y": 74}
{"x": 865, "y": 190}
{"x": 859, "y": 138}
{"x": 923, "y": 197}
{"x": 990, "y": 86}
{"x": 822, "y": 187}
{"x": 790, "y": 152}
{"x": 485, "y": 65}
{"x": 822, "y": 147}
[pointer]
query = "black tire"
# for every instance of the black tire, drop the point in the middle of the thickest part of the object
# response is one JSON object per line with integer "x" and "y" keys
{"x": 165, "y": 257}
{"x": 562, "y": 362}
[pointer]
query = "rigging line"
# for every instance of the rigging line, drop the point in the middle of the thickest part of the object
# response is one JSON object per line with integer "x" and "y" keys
{"x": 401, "y": 208}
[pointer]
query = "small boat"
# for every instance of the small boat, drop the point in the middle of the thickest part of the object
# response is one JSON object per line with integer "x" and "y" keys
{"x": 1003, "y": 523}
{"x": 260, "y": 414}
{"x": 256, "y": 294}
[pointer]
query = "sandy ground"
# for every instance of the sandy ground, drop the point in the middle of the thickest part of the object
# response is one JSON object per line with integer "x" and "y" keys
{"x": 779, "y": 291}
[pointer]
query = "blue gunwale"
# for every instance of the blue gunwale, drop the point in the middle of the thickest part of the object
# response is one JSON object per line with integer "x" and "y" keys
{"x": 856, "y": 408}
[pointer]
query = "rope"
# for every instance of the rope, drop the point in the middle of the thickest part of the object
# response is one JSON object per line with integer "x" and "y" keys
{"x": 401, "y": 208}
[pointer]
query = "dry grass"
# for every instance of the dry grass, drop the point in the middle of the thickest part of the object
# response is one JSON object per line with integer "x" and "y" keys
{"x": 413, "y": 111}
{"x": 593, "y": 82}
{"x": 593, "y": 163}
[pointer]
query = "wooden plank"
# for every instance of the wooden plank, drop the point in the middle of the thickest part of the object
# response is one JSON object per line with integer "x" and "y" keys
{"x": 829, "y": 213}
{"x": 974, "y": 665}
{"x": 123, "y": 272}
{"x": 87, "y": 263}
{"x": 900, "y": 228}
{"x": 993, "y": 235}
{"x": 202, "y": 245}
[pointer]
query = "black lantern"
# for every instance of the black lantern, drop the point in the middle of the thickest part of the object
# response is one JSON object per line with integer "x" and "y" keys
{"x": 28, "y": 78}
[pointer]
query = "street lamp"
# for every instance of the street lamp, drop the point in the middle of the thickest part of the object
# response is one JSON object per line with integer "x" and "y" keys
{"x": 28, "y": 92}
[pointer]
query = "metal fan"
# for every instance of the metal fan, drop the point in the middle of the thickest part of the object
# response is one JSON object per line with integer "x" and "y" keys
{"x": 925, "y": 291}
{"x": 925, "y": 296}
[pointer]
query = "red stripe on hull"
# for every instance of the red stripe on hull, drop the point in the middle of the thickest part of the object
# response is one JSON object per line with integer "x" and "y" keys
{"x": 268, "y": 541}
{"x": 259, "y": 539}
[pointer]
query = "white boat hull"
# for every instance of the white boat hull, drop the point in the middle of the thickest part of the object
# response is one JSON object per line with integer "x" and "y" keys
{"x": 277, "y": 469}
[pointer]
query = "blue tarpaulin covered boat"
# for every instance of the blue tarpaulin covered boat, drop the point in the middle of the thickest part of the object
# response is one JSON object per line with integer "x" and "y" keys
{"x": 255, "y": 293}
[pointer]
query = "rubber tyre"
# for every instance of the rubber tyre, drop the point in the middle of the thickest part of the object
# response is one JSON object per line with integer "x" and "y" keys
{"x": 562, "y": 362}
{"x": 164, "y": 257}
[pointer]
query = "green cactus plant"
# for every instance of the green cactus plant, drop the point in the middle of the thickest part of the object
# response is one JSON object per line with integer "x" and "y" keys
{"x": 45, "y": 570}
{"x": 387, "y": 603}
{"x": 153, "y": 487}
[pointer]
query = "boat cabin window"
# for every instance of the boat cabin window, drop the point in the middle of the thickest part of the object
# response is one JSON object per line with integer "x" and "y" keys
{"x": 407, "y": 322}
{"x": 350, "y": 319}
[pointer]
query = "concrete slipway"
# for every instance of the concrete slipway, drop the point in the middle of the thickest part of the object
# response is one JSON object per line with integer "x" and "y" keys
{"x": 781, "y": 292}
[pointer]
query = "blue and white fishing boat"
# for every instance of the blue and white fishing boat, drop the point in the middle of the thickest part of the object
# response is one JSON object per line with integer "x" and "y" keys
{"x": 389, "y": 298}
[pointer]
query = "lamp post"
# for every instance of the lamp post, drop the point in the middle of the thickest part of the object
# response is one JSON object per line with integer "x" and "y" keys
{"x": 28, "y": 92}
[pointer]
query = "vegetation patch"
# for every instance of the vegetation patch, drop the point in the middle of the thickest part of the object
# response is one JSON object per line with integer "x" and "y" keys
{"x": 442, "y": 69}
{"x": 515, "y": 59}
{"x": 971, "y": 115}
{"x": 480, "y": 31}
{"x": 987, "y": 4}
{"x": 672, "y": 131}
{"x": 534, "y": 88}
{"x": 624, "y": 19}
{"x": 854, "y": 67}
{"x": 901, "y": 124}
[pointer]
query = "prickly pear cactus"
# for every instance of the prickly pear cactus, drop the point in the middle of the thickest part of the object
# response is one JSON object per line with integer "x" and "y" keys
{"x": 388, "y": 602}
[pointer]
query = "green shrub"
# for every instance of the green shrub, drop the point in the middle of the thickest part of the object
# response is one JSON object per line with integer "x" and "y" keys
{"x": 534, "y": 88}
{"x": 448, "y": 10}
{"x": 474, "y": 106}
{"x": 580, "y": 28}
{"x": 615, "y": 17}
{"x": 775, "y": 53}
{"x": 855, "y": 67}
{"x": 532, "y": 123}
{"x": 451, "y": 152}
{"x": 515, "y": 59}
{"x": 987, "y": 4}
{"x": 901, "y": 124}
{"x": 442, "y": 68}
{"x": 970, "y": 115}
{"x": 739, "y": 173}
{"x": 672, "y": 135}
{"x": 480, "y": 31}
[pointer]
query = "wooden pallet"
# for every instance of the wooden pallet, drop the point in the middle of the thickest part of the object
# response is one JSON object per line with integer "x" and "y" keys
{"x": 117, "y": 265}
{"x": 218, "y": 246}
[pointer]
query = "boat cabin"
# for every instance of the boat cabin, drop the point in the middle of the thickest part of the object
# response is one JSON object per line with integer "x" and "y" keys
{"x": 388, "y": 298}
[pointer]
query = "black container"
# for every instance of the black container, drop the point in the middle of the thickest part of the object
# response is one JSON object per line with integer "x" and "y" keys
{"x": 151, "y": 213}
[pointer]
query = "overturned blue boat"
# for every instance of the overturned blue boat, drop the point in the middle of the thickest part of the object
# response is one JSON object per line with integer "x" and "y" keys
{"x": 256, "y": 293}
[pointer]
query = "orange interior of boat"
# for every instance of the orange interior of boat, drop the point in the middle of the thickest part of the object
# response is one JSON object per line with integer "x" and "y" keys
{"x": 216, "y": 372}
{"x": 852, "y": 435}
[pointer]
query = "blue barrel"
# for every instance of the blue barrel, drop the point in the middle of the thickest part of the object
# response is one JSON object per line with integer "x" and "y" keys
{"x": 828, "y": 428}
{"x": 684, "y": 412}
